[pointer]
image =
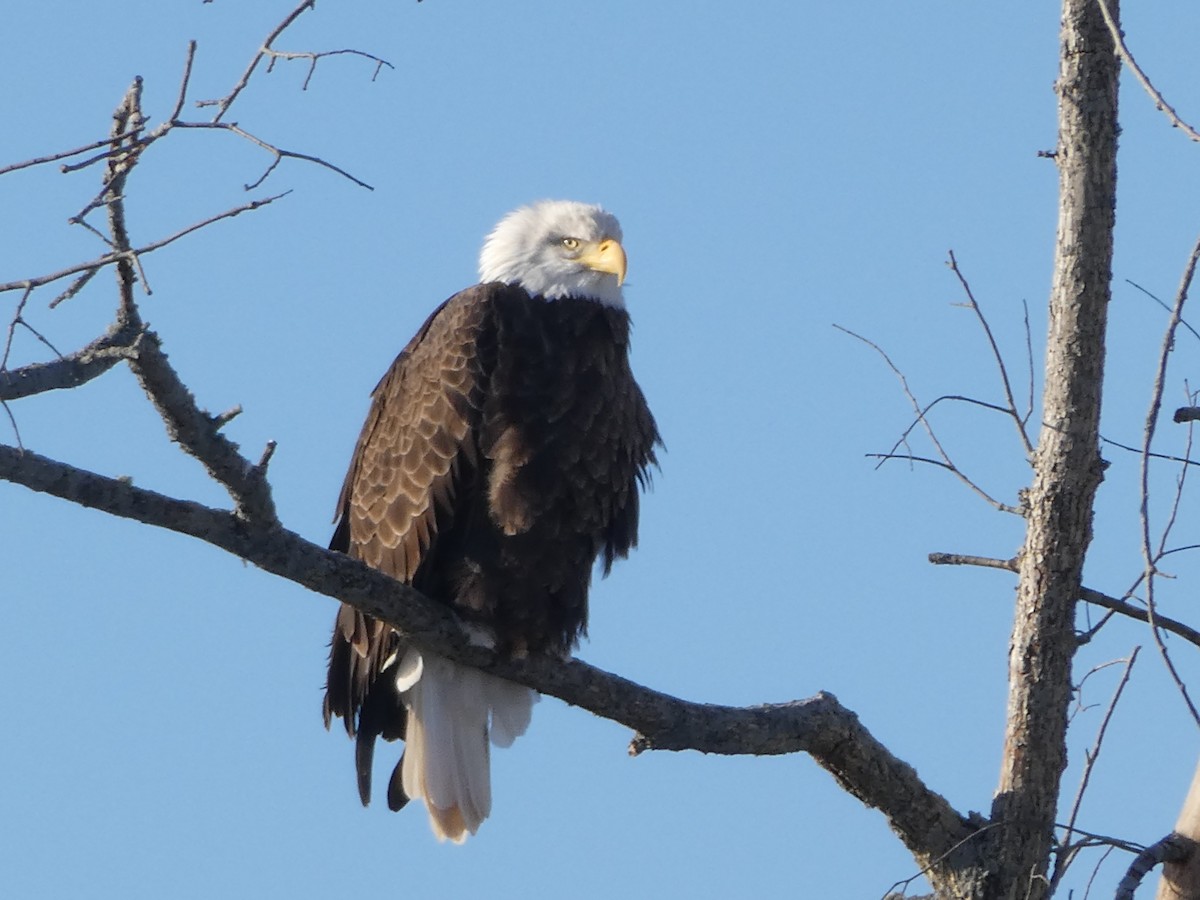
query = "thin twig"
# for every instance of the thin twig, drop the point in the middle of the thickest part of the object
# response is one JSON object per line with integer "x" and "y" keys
{"x": 54, "y": 157}
{"x": 19, "y": 320}
{"x": 1087, "y": 890}
{"x": 181, "y": 97}
{"x": 922, "y": 419}
{"x": 109, "y": 258}
{"x": 142, "y": 143}
{"x": 267, "y": 51}
{"x": 1160, "y": 102}
{"x": 1090, "y": 758}
{"x": 1181, "y": 549}
{"x": 277, "y": 152}
{"x": 40, "y": 337}
{"x": 225, "y": 102}
{"x": 12, "y": 421}
{"x": 174, "y": 121}
{"x": 1148, "y": 556}
{"x": 1029, "y": 358}
{"x": 1085, "y": 637}
{"x": 313, "y": 57}
{"x": 74, "y": 287}
{"x": 947, "y": 462}
{"x": 903, "y": 885}
{"x": 1180, "y": 482}
{"x": 1080, "y": 706}
{"x": 1165, "y": 306}
{"x": 1168, "y": 457}
{"x": 12, "y": 325}
{"x": 996, "y": 354}
{"x": 1103, "y": 840}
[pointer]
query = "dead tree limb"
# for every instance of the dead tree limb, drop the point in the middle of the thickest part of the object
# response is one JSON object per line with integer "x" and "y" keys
{"x": 819, "y": 725}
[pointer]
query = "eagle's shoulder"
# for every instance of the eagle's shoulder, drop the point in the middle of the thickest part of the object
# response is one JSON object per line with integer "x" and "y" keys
{"x": 418, "y": 434}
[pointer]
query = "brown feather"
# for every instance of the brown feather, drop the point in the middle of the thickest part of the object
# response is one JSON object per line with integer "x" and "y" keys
{"x": 502, "y": 453}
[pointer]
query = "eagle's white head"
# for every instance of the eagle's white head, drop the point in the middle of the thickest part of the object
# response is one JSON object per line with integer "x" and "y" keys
{"x": 558, "y": 248}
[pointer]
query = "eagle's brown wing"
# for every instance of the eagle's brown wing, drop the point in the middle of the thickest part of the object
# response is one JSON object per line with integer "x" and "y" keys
{"x": 418, "y": 441}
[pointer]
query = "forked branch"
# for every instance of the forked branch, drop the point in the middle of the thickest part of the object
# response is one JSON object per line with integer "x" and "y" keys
{"x": 922, "y": 418}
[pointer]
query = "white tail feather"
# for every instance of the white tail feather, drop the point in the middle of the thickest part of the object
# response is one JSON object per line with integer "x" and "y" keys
{"x": 446, "y": 757}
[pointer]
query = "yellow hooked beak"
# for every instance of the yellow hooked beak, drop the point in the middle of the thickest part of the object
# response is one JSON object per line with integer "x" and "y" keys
{"x": 605, "y": 256}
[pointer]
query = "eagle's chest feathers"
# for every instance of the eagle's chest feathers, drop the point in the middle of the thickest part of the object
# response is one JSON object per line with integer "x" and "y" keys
{"x": 550, "y": 421}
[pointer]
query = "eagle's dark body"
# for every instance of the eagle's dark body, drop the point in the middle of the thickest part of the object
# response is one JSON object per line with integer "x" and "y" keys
{"x": 502, "y": 454}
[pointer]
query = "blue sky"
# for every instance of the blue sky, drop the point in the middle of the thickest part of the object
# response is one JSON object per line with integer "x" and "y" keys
{"x": 777, "y": 168}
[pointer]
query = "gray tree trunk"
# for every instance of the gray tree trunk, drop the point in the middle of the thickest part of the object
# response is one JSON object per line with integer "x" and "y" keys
{"x": 1067, "y": 465}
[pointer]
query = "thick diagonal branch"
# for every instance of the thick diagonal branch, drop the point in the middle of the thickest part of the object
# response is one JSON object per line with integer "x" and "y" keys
{"x": 819, "y": 726}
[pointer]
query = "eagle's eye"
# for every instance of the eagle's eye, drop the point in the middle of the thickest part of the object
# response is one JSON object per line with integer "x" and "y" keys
{"x": 570, "y": 243}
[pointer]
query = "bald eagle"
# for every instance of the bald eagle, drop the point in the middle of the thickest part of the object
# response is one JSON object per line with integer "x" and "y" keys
{"x": 502, "y": 455}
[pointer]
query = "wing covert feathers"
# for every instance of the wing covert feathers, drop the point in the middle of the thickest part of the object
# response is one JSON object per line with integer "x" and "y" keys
{"x": 417, "y": 438}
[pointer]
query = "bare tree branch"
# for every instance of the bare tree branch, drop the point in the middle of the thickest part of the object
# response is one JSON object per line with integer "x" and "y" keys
{"x": 132, "y": 143}
{"x": 1030, "y": 377}
{"x": 1063, "y": 860}
{"x": 222, "y": 104}
{"x": 1149, "y": 557}
{"x": 278, "y": 153}
{"x": 986, "y": 562}
{"x": 1095, "y": 598}
{"x": 92, "y": 266}
{"x": 820, "y": 725}
{"x": 314, "y": 57}
{"x": 54, "y": 157}
{"x": 1160, "y": 102}
{"x": 1165, "y": 306}
{"x": 1169, "y": 457}
{"x": 1177, "y": 500}
{"x": 266, "y": 51}
{"x": 195, "y": 431}
{"x": 70, "y": 371}
{"x": 921, "y": 418}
